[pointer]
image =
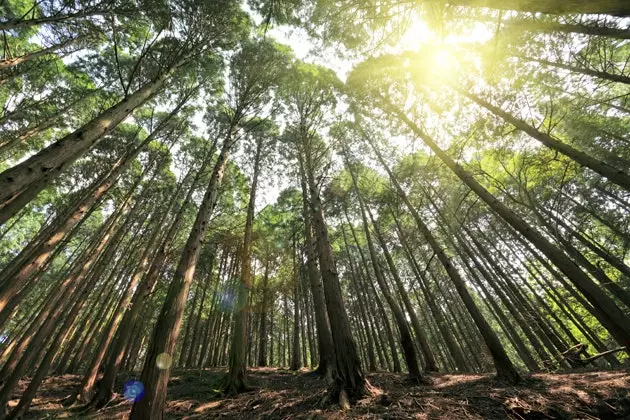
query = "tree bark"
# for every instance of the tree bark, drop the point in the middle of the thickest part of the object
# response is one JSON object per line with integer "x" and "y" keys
{"x": 169, "y": 321}
{"x": 406, "y": 341}
{"x": 582, "y": 70}
{"x": 262, "y": 346}
{"x": 430, "y": 299}
{"x": 348, "y": 375}
{"x": 50, "y": 162}
{"x": 8, "y": 63}
{"x": 142, "y": 293}
{"x": 608, "y": 313}
{"x": 236, "y": 378}
{"x": 295, "y": 356}
{"x": 368, "y": 331}
{"x": 505, "y": 368}
{"x": 618, "y": 176}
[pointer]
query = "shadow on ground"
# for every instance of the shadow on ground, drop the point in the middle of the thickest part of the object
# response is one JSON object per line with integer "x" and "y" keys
{"x": 282, "y": 394}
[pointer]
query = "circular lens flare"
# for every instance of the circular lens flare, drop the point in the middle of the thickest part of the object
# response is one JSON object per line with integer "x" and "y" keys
{"x": 133, "y": 390}
{"x": 164, "y": 361}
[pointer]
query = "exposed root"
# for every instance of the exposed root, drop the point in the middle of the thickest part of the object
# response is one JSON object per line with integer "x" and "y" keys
{"x": 235, "y": 387}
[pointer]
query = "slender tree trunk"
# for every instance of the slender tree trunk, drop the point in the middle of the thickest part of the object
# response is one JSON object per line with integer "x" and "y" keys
{"x": 423, "y": 342}
{"x": 12, "y": 24}
{"x": 616, "y": 175}
{"x": 12, "y": 370}
{"x": 607, "y": 7}
{"x": 169, "y": 321}
{"x": 581, "y": 70}
{"x": 408, "y": 348}
{"x": 368, "y": 333}
{"x": 406, "y": 341}
{"x": 19, "y": 139}
{"x": 8, "y": 63}
{"x": 395, "y": 366}
{"x": 295, "y": 356}
{"x": 62, "y": 333}
{"x": 505, "y": 368}
{"x": 86, "y": 387}
{"x": 324, "y": 337}
{"x": 142, "y": 293}
{"x": 33, "y": 257}
{"x": 595, "y": 248}
{"x": 53, "y": 301}
{"x": 50, "y": 162}
{"x": 349, "y": 380}
{"x": 567, "y": 28}
{"x": 236, "y": 378}
{"x": 617, "y": 291}
{"x": 607, "y": 312}
{"x": 184, "y": 348}
{"x": 262, "y": 347}
{"x": 194, "y": 345}
{"x": 431, "y": 300}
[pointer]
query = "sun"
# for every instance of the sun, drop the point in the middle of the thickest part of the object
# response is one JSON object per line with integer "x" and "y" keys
{"x": 419, "y": 33}
{"x": 438, "y": 47}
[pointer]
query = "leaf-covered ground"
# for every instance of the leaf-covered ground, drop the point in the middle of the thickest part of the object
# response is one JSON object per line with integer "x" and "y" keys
{"x": 281, "y": 394}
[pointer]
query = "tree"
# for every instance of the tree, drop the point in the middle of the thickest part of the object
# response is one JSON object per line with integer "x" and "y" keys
{"x": 235, "y": 382}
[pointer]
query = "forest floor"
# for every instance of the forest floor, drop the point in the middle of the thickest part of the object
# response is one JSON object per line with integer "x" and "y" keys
{"x": 282, "y": 394}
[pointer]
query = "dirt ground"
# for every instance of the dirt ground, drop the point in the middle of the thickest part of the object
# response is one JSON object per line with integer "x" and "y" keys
{"x": 282, "y": 394}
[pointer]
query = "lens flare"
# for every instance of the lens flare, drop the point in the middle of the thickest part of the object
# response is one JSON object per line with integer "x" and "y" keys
{"x": 133, "y": 390}
{"x": 163, "y": 361}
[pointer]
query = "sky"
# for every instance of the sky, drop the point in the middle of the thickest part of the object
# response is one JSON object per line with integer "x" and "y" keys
{"x": 305, "y": 49}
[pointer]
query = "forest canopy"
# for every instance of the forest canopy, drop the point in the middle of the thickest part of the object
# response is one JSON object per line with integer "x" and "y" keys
{"x": 350, "y": 186}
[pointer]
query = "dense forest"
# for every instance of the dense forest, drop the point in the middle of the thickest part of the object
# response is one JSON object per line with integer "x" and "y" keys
{"x": 225, "y": 189}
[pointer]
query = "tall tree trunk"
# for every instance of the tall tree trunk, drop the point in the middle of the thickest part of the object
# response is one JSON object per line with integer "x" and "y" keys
{"x": 423, "y": 342}
{"x": 395, "y": 366}
{"x": 607, "y": 7}
{"x": 142, "y": 293}
{"x": 324, "y": 337}
{"x": 8, "y": 63}
{"x": 403, "y": 327}
{"x": 18, "y": 139}
{"x": 262, "y": 347}
{"x": 73, "y": 287}
{"x": 505, "y": 368}
{"x": 618, "y": 176}
{"x": 536, "y": 25}
{"x": 54, "y": 346}
{"x": 581, "y": 70}
{"x": 50, "y": 162}
{"x": 184, "y": 348}
{"x": 431, "y": 300}
{"x": 87, "y": 385}
{"x": 194, "y": 344}
{"x": 406, "y": 341}
{"x": 236, "y": 378}
{"x": 348, "y": 378}
{"x": 12, "y": 24}
{"x": 32, "y": 257}
{"x": 368, "y": 332}
{"x": 607, "y": 312}
{"x": 295, "y": 356}
{"x": 169, "y": 321}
